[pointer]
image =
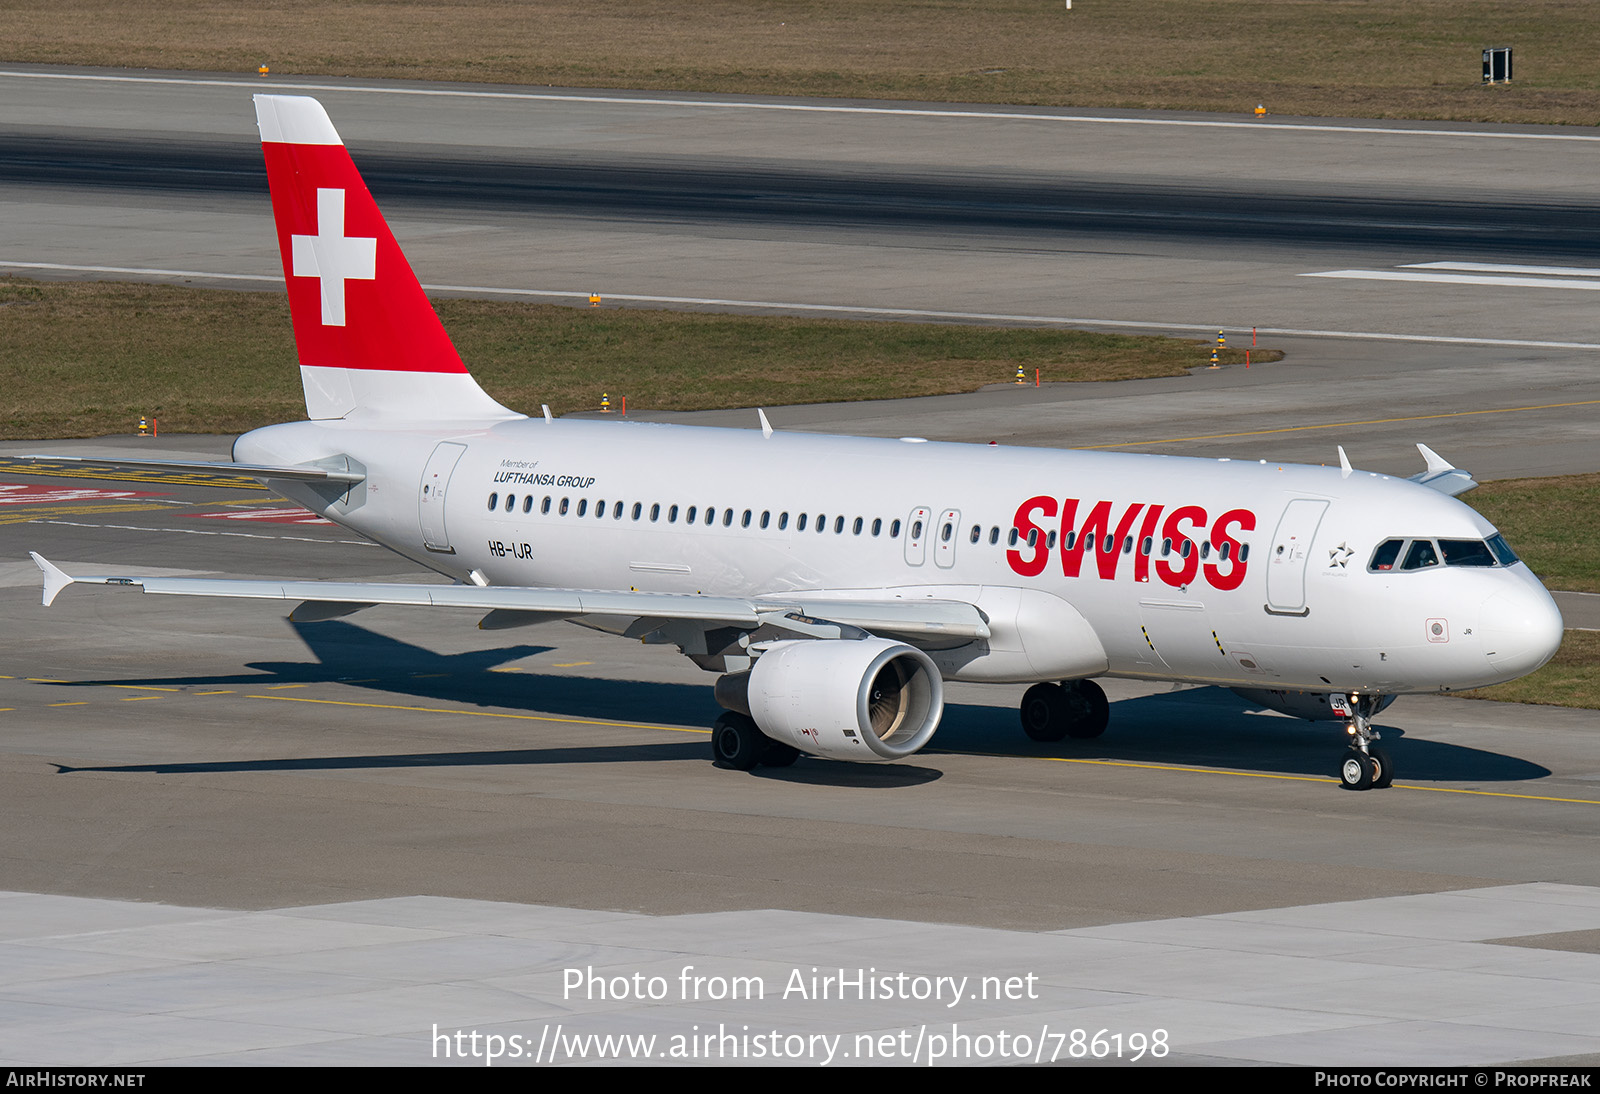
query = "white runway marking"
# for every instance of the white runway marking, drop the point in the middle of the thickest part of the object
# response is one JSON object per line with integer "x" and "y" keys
{"x": 1442, "y": 278}
{"x": 1495, "y": 267}
{"x": 866, "y": 311}
{"x": 803, "y": 108}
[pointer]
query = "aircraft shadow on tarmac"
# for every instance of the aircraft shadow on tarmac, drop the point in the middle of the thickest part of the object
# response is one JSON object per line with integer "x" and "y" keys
{"x": 1201, "y": 727}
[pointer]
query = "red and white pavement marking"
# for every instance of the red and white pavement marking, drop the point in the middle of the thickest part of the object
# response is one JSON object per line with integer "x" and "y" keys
{"x": 16, "y": 493}
{"x": 268, "y": 516}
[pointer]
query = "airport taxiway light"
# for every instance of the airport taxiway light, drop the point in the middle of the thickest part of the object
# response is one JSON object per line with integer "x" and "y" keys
{"x": 1021, "y": 378}
{"x": 594, "y": 300}
{"x": 1261, "y": 111}
{"x": 605, "y": 403}
{"x": 144, "y": 427}
{"x": 1214, "y": 359}
{"x": 262, "y": 71}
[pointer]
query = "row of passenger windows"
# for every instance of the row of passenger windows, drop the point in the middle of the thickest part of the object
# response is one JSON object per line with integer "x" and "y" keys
{"x": 693, "y": 514}
{"x": 1420, "y": 554}
{"x": 711, "y": 516}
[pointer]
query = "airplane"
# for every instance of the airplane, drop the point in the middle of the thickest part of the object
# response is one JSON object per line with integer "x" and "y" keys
{"x": 835, "y": 583}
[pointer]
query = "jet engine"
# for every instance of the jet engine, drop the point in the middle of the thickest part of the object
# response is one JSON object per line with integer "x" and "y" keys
{"x": 867, "y": 700}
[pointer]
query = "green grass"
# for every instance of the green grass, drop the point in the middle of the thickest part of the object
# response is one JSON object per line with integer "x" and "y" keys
{"x": 89, "y": 358}
{"x": 1571, "y": 679}
{"x": 1367, "y": 58}
{"x": 1553, "y": 524}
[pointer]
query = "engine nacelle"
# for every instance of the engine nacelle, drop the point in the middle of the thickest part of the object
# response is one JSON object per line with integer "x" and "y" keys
{"x": 867, "y": 700}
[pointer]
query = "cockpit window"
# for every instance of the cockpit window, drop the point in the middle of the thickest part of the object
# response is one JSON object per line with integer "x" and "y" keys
{"x": 1466, "y": 552}
{"x": 1384, "y": 557}
{"x": 1420, "y": 555}
{"x": 1502, "y": 550}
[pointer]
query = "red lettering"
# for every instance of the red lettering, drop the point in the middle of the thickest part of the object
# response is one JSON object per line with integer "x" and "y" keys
{"x": 1034, "y": 564}
{"x": 1188, "y": 514}
{"x": 1246, "y": 521}
{"x": 1141, "y": 561}
{"x": 1096, "y": 535}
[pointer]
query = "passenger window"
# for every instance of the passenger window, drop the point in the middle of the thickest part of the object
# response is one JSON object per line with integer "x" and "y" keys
{"x": 766, "y": 517}
{"x": 727, "y": 518}
{"x": 600, "y": 509}
{"x": 689, "y": 517}
{"x": 1050, "y": 541}
{"x": 994, "y": 535}
{"x": 583, "y": 506}
{"x": 1384, "y": 557}
{"x": 711, "y": 515}
{"x": 877, "y": 525}
{"x": 616, "y": 511}
{"x": 946, "y": 531}
{"x": 1127, "y": 545}
{"x": 894, "y": 529}
{"x": 1186, "y": 549}
{"x": 1421, "y": 555}
{"x": 916, "y": 530}
{"x": 638, "y": 507}
{"x": 655, "y": 510}
{"x": 855, "y": 529}
{"x": 1144, "y": 547}
{"x": 564, "y": 503}
{"x": 494, "y": 500}
{"x": 744, "y": 521}
{"x": 527, "y": 504}
{"x": 544, "y": 506}
{"x": 977, "y": 533}
{"x": 1011, "y": 538}
{"x": 672, "y": 514}
{"x": 800, "y": 524}
{"x": 783, "y": 521}
{"x": 1166, "y": 547}
{"x": 1033, "y": 537}
{"x": 1466, "y": 552}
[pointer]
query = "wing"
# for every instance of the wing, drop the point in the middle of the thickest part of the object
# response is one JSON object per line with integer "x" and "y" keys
{"x": 676, "y": 616}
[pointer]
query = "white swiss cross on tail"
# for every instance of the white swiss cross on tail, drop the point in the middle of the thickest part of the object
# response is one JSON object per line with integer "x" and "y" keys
{"x": 333, "y": 256}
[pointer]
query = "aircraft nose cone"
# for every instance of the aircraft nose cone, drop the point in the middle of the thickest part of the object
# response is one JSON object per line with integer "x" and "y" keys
{"x": 1522, "y": 630}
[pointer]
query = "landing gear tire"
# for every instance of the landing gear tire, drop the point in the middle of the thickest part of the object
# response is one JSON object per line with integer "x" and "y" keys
{"x": 780, "y": 755}
{"x": 1383, "y": 773}
{"x": 1091, "y": 712}
{"x": 1357, "y": 771}
{"x": 736, "y": 742}
{"x": 1046, "y": 715}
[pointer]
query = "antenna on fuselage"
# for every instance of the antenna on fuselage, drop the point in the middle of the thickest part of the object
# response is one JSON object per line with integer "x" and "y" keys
{"x": 1344, "y": 464}
{"x": 766, "y": 426}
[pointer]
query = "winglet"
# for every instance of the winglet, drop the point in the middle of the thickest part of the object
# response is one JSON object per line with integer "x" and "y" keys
{"x": 1436, "y": 462}
{"x": 1442, "y": 475}
{"x": 766, "y": 426}
{"x": 55, "y": 578}
{"x": 1344, "y": 464}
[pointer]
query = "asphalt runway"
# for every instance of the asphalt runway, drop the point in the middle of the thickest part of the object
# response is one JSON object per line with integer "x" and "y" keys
{"x": 202, "y": 756}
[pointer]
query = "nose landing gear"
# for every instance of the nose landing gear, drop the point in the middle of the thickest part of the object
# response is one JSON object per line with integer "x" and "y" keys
{"x": 1366, "y": 764}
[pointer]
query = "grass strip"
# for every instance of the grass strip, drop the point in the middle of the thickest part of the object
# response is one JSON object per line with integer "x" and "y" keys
{"x": 1365, "y": 58}
{"x": 89, "y": 358}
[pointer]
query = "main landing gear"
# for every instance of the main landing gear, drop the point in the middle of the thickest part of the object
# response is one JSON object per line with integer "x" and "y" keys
{"x": 737, "y": 743}
{"x": 1076, "y": 709}
{"x": 1366, "y": 764}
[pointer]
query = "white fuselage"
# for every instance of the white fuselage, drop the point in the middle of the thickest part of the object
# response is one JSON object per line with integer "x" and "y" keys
{"x": 1276, "y": 591}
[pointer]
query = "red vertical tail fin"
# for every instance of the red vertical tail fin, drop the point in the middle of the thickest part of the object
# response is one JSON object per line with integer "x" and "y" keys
{"x": 369, "y": 341}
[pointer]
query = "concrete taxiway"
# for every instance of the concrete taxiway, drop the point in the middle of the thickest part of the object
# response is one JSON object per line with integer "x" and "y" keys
{"x": 232, "y": 838}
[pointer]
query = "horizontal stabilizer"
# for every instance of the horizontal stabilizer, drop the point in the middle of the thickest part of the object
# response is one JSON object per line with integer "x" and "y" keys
{"x": 303, "y": 473}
